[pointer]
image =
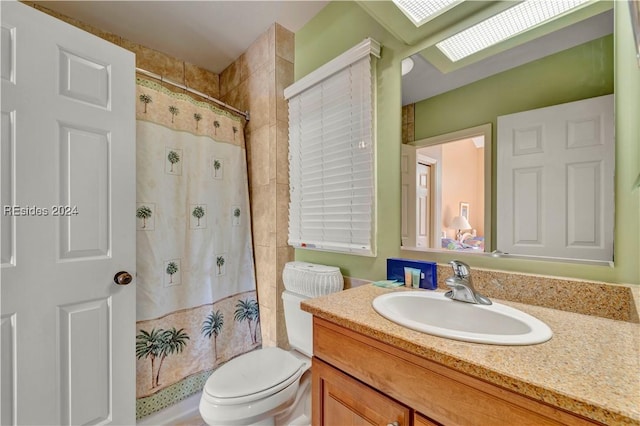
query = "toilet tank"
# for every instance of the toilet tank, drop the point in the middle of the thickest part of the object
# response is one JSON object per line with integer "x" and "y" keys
{"x": 303, "y": 281}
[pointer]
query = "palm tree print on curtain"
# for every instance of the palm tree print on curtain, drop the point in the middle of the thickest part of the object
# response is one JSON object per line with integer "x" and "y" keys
{"x": 148, "y": 345}
{"x": 172, "y": 268}
{"x": 220, "y": 264}
{"x": 144, "y": 213}
{"x": 236, "y": 216}
{"x": 197, "y": 117}
{"x": 173, "y": 158}
{"x": 174, "y": 341}
{"x": 145, "y": 99}
{"x": 212, "y": 326}
{"x": 198, "y": 213}
{"x": 217, "y": 165}
{"x": 248, "y": 310}
{"x": 159, "y": 344}
{"x": 174, "y": 111}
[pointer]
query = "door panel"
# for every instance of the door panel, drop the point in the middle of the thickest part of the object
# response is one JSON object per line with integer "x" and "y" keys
{"x": 8, "y": 49}
{"x": 84, "y": 79}
{"x": 7, "y": 222}
{"x": 528, "y": 206}
{"x": 84, "y": 187}
{"x": 85, "y": 359}
{"x": 70, "y": 180}
{"x": 583, "y": 199}
{"x": 8, "y": 368}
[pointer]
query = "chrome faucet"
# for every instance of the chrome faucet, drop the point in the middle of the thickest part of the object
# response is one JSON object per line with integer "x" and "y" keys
{"x": 461, "y": 285}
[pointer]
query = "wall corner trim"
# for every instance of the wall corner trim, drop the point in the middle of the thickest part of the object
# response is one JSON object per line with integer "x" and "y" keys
{"x": 367, "y": 47}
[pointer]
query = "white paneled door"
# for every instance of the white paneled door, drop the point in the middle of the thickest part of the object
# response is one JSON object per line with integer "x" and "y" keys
{"x": 408, "y": 196}
{"x": 555, "y": 181}
{"x": 68, "y": 224}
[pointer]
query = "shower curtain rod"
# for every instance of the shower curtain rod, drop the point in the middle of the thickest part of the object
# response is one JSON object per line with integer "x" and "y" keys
{"x": 245, "y": 114}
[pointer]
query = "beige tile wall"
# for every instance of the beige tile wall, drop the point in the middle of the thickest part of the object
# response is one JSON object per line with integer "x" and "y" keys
{"x": 256, "y": 82}
{"x": 408, "y": 123}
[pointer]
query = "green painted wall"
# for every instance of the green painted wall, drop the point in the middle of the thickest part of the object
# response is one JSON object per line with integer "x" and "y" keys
{"x": 340, "y": 25}
{"x": 582, "y": 72}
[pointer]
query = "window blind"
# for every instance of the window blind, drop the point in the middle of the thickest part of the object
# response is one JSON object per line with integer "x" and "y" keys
{"x": 331, "y": 162}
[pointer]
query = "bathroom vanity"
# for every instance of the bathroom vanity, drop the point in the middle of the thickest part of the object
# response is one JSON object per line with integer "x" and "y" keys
{"x": 367, "y": 367}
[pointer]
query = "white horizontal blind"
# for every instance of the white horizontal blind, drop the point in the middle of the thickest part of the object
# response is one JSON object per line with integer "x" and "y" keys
{"x": 331, "y": 162}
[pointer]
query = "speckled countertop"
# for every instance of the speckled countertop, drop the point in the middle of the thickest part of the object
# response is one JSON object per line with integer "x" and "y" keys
{"x": 591, "y": 365}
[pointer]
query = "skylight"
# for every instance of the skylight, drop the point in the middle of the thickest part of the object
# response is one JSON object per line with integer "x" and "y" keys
{"x": 508, "y": 23}
{"x": 421, "y": 11}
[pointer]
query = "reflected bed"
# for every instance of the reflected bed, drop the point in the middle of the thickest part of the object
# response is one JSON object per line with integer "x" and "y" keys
{"x": 467, "y": 244}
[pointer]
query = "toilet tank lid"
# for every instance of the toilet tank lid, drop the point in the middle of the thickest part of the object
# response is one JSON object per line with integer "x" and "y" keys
{"x": 312, "y": 267}
{"x": 252, "y": 373}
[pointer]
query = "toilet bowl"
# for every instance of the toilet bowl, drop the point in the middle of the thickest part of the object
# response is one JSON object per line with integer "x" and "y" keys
{"x": 271, "y": 386}
{"x": 253, "y": 388}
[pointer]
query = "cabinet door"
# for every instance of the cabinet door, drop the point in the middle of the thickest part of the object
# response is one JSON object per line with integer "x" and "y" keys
{"x": 339, "y": 399}
{"x": 420, "y": 420}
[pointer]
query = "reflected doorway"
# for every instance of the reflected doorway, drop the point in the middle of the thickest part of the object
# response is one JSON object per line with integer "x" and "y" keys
{"x": 424, "y": 196}
{"x": 442, "y": 183}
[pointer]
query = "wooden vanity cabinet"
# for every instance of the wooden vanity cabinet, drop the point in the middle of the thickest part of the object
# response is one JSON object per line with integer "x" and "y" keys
{"x": 359, "y": 380}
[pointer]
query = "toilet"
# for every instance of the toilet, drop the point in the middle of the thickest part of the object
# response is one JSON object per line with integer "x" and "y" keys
{"x": 272, "y": 386}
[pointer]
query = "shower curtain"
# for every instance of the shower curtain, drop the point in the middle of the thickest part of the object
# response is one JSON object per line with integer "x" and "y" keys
{"x": 196, "y": 291}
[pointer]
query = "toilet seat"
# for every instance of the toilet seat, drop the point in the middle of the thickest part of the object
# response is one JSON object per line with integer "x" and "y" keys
{"x": 253, "y": 376}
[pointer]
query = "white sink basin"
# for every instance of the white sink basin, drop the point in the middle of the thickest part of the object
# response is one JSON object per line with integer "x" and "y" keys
{"x": 432, "y": 313}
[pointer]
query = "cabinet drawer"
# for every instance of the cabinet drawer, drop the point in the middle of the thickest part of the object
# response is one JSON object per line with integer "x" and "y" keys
{"x": 444, "y": 395}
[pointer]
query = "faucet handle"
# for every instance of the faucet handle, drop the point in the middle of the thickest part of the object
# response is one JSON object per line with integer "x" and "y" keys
{"x": 460, "y": 269}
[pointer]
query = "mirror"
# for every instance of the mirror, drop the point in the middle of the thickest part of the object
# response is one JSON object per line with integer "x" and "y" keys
{"x": 569, "y": 63}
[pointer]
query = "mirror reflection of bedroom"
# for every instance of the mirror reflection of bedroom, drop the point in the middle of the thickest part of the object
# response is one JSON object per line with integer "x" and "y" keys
{"x": 449, "y": 203}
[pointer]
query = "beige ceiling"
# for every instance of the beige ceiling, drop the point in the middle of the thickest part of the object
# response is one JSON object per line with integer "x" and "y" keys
{"x": 210, "y": 34}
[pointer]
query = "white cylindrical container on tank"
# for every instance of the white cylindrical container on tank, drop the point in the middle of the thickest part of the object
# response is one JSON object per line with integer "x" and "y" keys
{"x": 312, "y": 280}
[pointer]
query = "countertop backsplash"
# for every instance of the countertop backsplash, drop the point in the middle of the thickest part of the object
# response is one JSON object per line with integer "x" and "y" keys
{"x": 612, "y": 301}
